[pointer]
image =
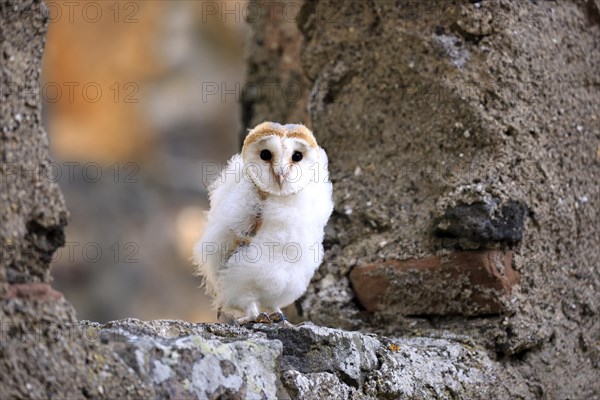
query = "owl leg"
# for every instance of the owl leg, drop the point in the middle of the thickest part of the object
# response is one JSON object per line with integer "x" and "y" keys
{"x": 253, "y": 315}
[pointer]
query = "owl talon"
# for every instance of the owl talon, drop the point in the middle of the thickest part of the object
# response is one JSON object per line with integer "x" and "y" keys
{"x": 262, "y": 318}
{"x": 277, "y": 317}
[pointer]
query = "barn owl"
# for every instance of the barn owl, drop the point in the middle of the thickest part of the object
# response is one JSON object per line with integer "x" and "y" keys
{"x": 263, "y": 239}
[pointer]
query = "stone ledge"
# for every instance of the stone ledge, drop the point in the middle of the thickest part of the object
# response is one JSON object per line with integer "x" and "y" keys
{"x": 176, "y": 359}
{"x": 187, "y": 360}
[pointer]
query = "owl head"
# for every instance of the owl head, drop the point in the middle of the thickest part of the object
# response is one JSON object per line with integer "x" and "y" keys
{"x": 281, "y": 159}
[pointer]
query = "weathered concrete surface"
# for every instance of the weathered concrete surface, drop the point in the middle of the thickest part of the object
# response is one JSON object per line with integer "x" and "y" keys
{"x": 276, "y": 83}
{"x": 32, "y": 211}
{"x": 176, "y": 359}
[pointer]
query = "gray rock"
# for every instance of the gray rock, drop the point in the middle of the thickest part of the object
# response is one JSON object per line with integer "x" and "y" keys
{"x": 203, "y": 361}
{"x": 483, "y": 223}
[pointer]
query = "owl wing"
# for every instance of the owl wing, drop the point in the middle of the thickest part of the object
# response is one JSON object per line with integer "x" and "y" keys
{"x": 231, "y": 213}
{"x": 325, "y": 196}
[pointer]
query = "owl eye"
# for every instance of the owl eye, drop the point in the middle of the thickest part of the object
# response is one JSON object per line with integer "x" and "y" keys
{"x": 265, "y": 155}
{"x": 297, "y": 156}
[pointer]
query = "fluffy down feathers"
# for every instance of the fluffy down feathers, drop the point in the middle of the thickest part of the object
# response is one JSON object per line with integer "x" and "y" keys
{"x": 263, "y": 239}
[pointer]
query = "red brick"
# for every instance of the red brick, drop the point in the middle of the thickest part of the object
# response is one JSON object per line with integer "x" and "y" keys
{"x": 466, "y": 283}
{"x": 33, "y": 291}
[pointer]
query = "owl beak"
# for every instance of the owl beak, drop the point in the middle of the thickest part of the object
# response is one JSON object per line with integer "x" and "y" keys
{"x": 280, "y": 175}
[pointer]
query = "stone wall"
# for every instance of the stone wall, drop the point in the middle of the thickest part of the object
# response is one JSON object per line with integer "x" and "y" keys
{"x": 463, "y": 139}
{"x": 46, "y": 353}
{"x": 33, "y": 213}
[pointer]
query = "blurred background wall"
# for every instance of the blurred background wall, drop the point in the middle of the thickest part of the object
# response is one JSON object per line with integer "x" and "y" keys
{"x": 140, "y": 99}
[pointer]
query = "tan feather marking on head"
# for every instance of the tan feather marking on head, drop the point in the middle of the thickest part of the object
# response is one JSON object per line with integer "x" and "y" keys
{"x": 261, "y": 131}
{"x": 267, "y": 129}
{"x": 302, "y": 132}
